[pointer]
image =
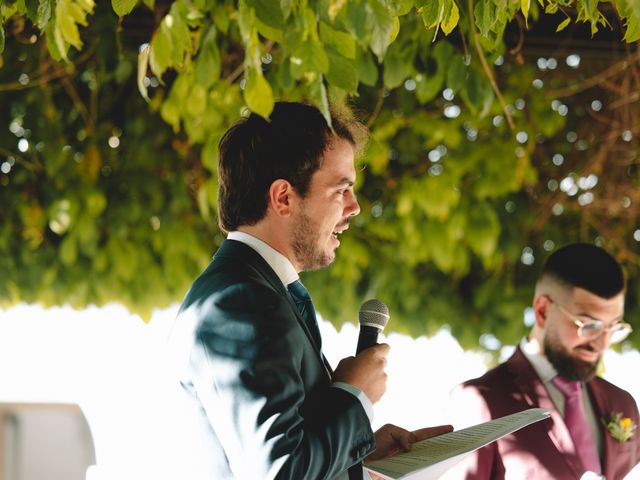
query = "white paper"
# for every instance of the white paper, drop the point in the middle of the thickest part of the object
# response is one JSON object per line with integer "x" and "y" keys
{"x": 431, "y": 458}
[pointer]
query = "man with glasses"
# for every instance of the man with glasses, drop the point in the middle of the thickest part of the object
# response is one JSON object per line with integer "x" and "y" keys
{"x": 579, "y": 308}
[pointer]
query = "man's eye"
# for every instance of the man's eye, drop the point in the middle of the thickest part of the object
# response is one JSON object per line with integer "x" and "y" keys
{"x": 592, "y": 327}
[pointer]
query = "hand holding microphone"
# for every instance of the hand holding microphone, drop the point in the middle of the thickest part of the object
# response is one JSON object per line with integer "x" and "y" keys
{"x": 365, "y": 371}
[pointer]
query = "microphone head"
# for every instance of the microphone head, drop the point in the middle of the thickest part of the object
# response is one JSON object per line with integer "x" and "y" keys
{"x": 373, "y": 313}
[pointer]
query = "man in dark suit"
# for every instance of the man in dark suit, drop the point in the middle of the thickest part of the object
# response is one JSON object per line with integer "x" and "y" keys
{"x": 261, "y": 398}
{"x": 578, "y": 307}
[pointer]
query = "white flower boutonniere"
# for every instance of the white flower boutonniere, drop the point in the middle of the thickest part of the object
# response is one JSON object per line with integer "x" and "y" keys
{"x": 619, "y": 427}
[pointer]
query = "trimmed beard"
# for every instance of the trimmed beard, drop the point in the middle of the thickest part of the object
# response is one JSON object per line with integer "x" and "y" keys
{"x": 567, "y": 366}
{"x": 305, "y": 246}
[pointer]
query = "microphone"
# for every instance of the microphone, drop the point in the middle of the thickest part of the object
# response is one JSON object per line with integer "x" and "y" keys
{"x": 373, "y": 317}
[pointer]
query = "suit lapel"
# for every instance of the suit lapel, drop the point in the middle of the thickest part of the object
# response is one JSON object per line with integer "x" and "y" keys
{"x": 536, "y": 395}
{"x": 601, "y": 409}
{"x": 240, "y": 251}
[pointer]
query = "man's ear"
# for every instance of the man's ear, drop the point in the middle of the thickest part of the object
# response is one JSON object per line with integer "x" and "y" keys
{"x": 281, "y": 195}
{"x": 541, "y": 305}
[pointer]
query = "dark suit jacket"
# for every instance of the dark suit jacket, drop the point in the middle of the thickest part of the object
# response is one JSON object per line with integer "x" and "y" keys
{"x": 257, "y": 389}
{"x": 544, "y": 450}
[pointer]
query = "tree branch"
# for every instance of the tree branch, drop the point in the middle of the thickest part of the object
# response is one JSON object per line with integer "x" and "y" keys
{"x": 487, "y": 70}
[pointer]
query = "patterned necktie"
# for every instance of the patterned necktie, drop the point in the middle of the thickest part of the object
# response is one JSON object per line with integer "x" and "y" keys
{"x": 303, "y": 301}
{"x": 576, "y": 421}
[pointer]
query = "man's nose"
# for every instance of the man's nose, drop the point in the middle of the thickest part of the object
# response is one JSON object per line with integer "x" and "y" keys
{"x": 603, "y": 340}
{"x": 353, "y": 208}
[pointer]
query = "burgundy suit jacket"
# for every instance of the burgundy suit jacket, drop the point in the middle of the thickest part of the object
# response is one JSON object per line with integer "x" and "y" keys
{"x": 543, "y": 450}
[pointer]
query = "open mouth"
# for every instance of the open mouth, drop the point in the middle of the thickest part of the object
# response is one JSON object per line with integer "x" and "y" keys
{"x": 340, "y": 230}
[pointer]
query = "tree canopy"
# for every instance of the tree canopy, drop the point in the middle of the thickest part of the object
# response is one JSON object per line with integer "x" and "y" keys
{"x": 500, "y": 130}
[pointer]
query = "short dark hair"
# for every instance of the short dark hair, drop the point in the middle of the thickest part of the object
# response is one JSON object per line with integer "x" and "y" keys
{"x": 255, "y": 152}
{"x": 586, "y": 266}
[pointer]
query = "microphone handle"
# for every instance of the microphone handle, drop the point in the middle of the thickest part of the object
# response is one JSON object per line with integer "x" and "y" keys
{"x": 368, "y": 338}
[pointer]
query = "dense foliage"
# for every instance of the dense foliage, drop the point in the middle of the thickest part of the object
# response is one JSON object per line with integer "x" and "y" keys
{"x": 483, "y": 156}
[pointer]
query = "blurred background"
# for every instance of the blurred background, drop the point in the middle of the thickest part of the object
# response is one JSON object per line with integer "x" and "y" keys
{"x": 499, "y": 132}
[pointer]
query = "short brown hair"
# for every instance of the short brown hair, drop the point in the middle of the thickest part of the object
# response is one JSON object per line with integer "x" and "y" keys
{"x": 255, "y": 152}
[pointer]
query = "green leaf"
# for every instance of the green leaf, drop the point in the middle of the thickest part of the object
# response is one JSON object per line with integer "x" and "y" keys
{"x": 318, "y": 96}
{"x": 1, "y": 38}
{"x": 66, "y": 26}
{"x": 477, "y": 94}
{"x": 457, "y": 73}
{"x": 45, "y": 8}
{"x": 429, "y": 83}
{"x": 68, "y": 251}
{"x": 551, "y": 8}
{"x": 68, "y": 15}
{"x": 208, "y": 63}
{"x": 123, "y": 7}
{"x": 396, "y": 70}
{"x": 483, "y": 230}
{"x": 334, "y": 8}
{"x": 432, "y": 13}
{"x": 436, "y": 196}
{"x": 484, "y": 18}
{"x": 632, "y": 33}
{"x": 170, "y": 112}
{"x": 161, "y": 51}
{"x": 402, "y": 7}
{"x": 286, "y": 6}
{"x": 383, "y": 30}
{"x": 308, "y": 57}
{"x": 358, "y": 20}
{"x": 52, "y": 42}
{"x": 367, "y": 68}
{"x": 258, "y": 93}
{"x": 342, "y": 73}
{"x": 176, "y": 25}
{"x": 342, "y": 42}
{"x": 32, "y": 10}
{"x": 451, "y": 16}
{"x": 196, "y": 101}
{"x": 563, "y": 24}
{"x": 428, "y": 86}
{"x": 524, "y": 6}
{"x": 268, "y": 12}
{"x": 269, "y": 32}
{"x": 630, "y": 12}
{"x": 442, "y": 14}
{"x": 221, "y": 19}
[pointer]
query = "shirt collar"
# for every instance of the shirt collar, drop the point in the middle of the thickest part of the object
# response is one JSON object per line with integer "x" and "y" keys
{"x": 540, "y": 364}
{"x": 278, "y": 262}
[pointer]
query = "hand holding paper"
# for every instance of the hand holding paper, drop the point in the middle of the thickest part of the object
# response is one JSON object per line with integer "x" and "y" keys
{"x": 429, "y": 459}
{"x": 391, "y": 440}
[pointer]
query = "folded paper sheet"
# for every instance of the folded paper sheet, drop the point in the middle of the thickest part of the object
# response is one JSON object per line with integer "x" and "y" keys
{"x": 431, "y": 458}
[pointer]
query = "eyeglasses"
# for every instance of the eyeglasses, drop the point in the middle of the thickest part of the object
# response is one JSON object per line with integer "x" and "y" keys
{"x": 592, "y": 329}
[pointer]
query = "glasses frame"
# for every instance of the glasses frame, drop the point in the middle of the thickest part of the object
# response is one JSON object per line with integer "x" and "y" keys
{"x": 609, "y": 330}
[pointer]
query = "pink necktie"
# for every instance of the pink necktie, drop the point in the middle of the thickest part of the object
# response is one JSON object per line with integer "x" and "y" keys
{"x": 576, "y": 421}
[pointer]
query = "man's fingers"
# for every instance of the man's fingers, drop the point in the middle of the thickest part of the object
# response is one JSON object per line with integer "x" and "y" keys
{"x": 381, "y": 349}
{"x": 424, "y": 433}
{"x": 406, "y": 439}
{"x": 401, "y": 437}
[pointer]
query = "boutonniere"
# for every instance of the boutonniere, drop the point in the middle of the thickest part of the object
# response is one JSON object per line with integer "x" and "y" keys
{"x": 619, "y": 427}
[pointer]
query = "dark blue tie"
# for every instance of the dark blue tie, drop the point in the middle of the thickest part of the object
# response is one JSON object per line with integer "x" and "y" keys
{"x": 302, "y": 299}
